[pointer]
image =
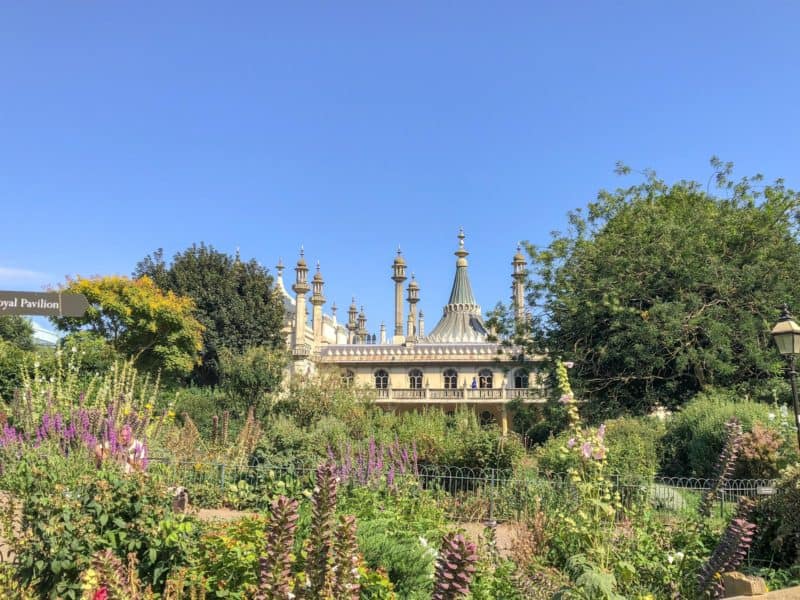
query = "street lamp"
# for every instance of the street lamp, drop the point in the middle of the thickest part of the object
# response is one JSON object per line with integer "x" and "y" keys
{"x": 786, "y": 334}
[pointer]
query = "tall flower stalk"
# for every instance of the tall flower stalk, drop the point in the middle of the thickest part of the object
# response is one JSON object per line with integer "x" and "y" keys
{"x": 454, "y": 568}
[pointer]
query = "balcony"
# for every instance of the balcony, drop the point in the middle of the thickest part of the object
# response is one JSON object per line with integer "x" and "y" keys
{"x": 459, "y": 395}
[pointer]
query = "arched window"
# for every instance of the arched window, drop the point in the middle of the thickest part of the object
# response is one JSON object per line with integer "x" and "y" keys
{"x": 348, "y": 377}
{"x": 487, "y": 418}
{"x": 485, "y": 379}
{"x": 415, "y": 379}
{"x": 450, "y": 379}
{"x": 381, "y": 379}
{"x": 521, "y": 378}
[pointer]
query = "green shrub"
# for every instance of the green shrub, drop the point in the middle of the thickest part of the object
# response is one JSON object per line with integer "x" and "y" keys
{"x": 248, "y": 377}
{"x": 228, "y": 557}
{"x": 65, "y": 524}
{"x": 11, "y": 360}
{"x": 202, "y": 404}
{"x": 632, "y": 445}
{"x": 777, "y": 519}
{"x": 695, "y": 435}
{"x": 407, "y": 559}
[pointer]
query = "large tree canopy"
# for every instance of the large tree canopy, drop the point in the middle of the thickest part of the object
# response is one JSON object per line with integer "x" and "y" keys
{"x": 157, "y": 329}
{"x": 658, "y": 291}
{"x": 235, "y": 301}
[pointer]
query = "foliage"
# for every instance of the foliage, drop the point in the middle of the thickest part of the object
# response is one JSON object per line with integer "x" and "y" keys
{"x": 696, "y": 434}
{"x": 18, "y": 331}
{"x": 108, "y": 577}
{"x": 658, "y": 290}
{"x": 64, "y": 524}
{"x": 778, "y": 520}
{"x": 632, "y": 444}
{"x": 405, "y": 557}
{"x": 235, "y": 301}
{"x": 248, "y": 377}
{"x": 96, "y": 354}
{"x": 228, "y": 556}
{"x": 120, "y": 392}
{"x": 12, "y": 358}
{"x": 157, "y": 329}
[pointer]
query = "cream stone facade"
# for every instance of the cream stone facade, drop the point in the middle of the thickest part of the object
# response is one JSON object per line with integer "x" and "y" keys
{"x": 454, "y": 365}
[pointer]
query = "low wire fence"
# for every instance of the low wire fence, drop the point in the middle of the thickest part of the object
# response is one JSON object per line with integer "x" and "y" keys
{"x": 467, "y": 494}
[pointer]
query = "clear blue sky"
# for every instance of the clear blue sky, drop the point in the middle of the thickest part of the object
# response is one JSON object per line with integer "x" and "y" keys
{"x": 354, "y": 127}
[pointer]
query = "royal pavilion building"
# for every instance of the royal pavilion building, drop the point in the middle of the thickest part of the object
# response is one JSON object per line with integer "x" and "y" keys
{"x": 455, "y": 364}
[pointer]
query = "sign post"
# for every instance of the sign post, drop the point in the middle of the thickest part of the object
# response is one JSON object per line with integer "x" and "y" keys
{"x": 44, "y": 304}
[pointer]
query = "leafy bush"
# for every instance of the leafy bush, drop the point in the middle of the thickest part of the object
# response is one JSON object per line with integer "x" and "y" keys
{"x": 64, "y": 524}
{"x": 406, "y": 558}
{"x": 12, "y": 358}
{"x": 695, "y": 435}
{"x": 248, "y": 377}
{"x": 228, "y": 557}
{"x": 632, "y": 445}
{"x": 778, "y": 520}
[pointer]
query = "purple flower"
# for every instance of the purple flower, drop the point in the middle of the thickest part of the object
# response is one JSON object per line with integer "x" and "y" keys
{"x": 571, "y": 443}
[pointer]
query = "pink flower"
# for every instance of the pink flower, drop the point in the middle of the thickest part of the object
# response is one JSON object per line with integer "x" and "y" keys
{"x": 101, "y": 594}
{"x": 601, "y": 432}
{"x": 571, "y": 443}
{"x": 586, "y": 450}
{"x": 569, "y": 364}
{"x": 565, "y": 399}
{"x": 600, "y": 453}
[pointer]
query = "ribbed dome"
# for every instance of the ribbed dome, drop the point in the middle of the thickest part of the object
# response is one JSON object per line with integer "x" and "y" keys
{"x": 461, "y": 321}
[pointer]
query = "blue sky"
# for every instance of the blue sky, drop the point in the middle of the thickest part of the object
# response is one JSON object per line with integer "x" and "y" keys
{"x": 351, "y": 128}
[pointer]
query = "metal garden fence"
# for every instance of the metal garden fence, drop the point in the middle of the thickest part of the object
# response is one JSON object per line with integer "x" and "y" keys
{"x": 468, "y": 494}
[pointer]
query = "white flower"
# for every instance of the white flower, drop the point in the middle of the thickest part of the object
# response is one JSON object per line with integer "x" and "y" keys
{"x": 679, "y": 555}
{"x": 36, "y": 365}
{"x": 74, "y": 349}
{"x": 771, "y": 416}
{"x": 670, "y": 558}
{"x": 423, "y": 541}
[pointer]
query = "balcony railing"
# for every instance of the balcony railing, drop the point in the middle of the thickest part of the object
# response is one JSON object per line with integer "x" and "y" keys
{"x": 528, "y": 395}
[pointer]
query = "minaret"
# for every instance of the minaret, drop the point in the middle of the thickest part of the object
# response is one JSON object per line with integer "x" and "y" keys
{"x": 317, "y": 300}
{"x": 361, "y": 332}
{"x": 351, "y": 322}
{"x": 413, "y": 298}
{"x": 518, "y": 286}
{"x": 300, "y": 288}
{"x": 421, "y": 324}
{"x": 383, "y": 333}
{"x": 398, "y": 276}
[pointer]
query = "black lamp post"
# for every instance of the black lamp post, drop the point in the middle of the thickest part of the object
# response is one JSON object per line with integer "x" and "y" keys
{"x": 786, "y": 334}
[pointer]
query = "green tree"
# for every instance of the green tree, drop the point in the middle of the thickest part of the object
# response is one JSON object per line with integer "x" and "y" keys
{"x": 235, "y": 301}
{"x": 658, "y": 291}
{"x": 156, "y": 328}
{"x": 249, "y": 376}
{"x": 18, "y": 331}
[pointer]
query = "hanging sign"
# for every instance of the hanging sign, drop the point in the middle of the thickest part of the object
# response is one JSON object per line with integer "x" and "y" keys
{"x": 44, "y": 304}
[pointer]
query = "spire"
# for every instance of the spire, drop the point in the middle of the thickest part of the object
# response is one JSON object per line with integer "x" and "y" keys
{"x": 461, "y": 321}
{"x": 461, "y": 292}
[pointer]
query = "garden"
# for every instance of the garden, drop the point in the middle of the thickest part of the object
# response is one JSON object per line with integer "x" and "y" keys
{"x": 114, "y": 487}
